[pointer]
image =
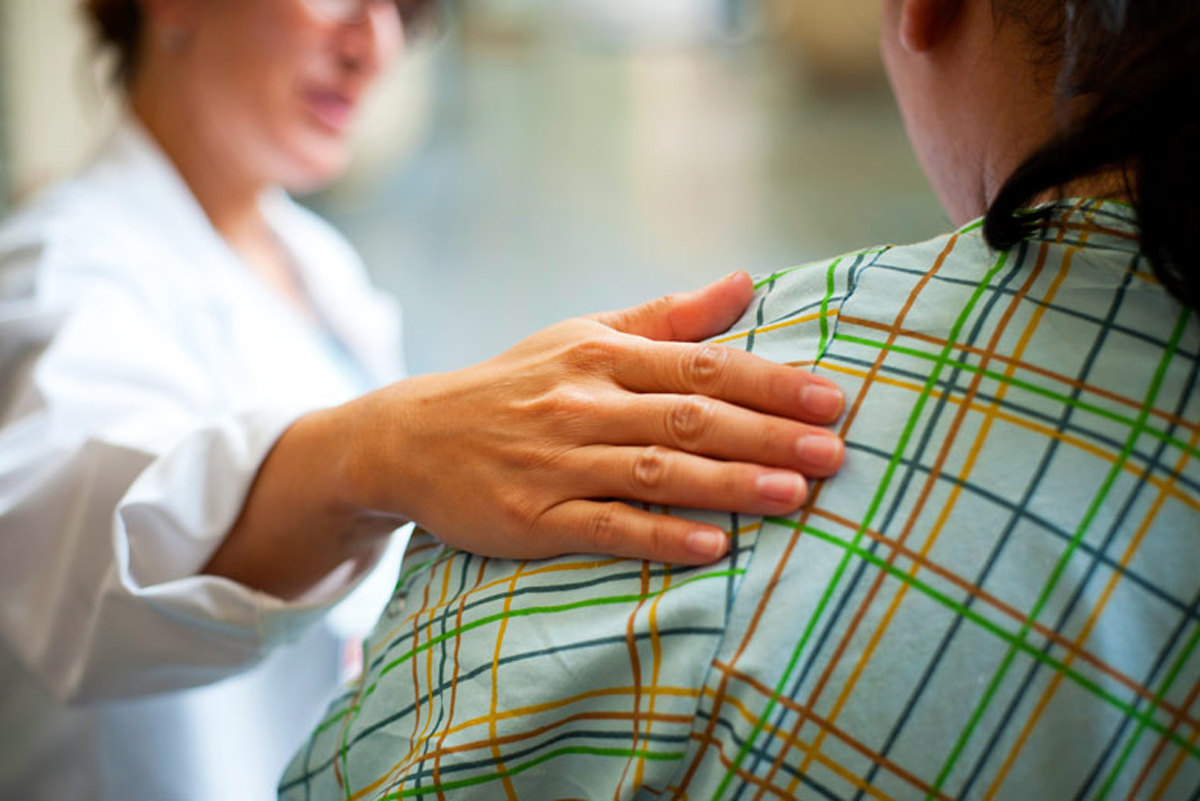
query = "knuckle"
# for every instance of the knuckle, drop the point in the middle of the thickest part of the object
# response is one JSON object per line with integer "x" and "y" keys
{"x": 554, "y": 415}
{"x": 595, "y": 355}
{"x": 650, "y": 469}
{"x": 519, "y": 512}
{"x": 542, "y": 461}
{"x": 664, "y": 309}
{"x": 602, "y": 528}
{"x": 690, "y": 419}
{"x": 737, "y": 485}
{"x": 659, "y": 540}
{"x": 730, "y": 482}
{"x": 661, "y": 306}
{"x": 775, "y": 439}
{"x": 569, "y": 402}
{"x": 705, "y": 365}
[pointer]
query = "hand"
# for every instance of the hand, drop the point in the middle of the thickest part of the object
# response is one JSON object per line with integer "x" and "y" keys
{"x": 514, "y": 457}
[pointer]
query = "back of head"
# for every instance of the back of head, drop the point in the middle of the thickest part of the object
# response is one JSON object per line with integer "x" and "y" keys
{"x": 1132, "y": 67}
{"x": 117, "y": 24}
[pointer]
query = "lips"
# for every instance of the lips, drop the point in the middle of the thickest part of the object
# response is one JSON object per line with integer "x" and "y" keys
{"x": 333, "y": 110}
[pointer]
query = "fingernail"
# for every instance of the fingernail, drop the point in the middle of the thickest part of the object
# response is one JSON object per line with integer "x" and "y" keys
{"x": 781, "y": 487}
{"x": 708, "y": 544}
{"x": 821, "y": 401}
{"x": 819, "y": 451}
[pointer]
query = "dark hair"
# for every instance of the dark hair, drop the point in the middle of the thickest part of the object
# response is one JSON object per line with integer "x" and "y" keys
{"x": 1134, "y": 65}
{"x": 118, "y": 24}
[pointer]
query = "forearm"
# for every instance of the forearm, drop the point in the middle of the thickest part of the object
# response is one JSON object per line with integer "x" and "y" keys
{"x": 301, "y": 519}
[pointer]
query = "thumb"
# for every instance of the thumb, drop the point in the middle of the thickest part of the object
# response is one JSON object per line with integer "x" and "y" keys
{"x": 687, "y": 316}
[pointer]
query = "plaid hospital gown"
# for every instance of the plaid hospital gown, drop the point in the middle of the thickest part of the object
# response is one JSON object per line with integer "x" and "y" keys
{"x": 997, "y": 598}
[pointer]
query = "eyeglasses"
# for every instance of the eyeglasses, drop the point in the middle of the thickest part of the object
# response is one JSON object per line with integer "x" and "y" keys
{"x": 354, "y": 12}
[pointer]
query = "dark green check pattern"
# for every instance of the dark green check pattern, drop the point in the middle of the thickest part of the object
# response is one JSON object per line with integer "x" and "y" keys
{"x": 996, "y": 599}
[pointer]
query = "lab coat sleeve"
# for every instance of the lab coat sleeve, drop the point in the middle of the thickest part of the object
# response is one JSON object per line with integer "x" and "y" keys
{"x": 117, "y": 483}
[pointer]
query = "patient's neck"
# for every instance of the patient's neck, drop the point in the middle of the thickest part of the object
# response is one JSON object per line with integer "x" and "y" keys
{"x": 979, "y": 101}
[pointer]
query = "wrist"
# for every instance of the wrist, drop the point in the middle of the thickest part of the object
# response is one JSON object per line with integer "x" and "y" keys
{"x": 348, "y": 455}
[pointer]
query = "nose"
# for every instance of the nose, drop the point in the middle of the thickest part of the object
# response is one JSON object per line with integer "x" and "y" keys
{"x": 368, "y": 46}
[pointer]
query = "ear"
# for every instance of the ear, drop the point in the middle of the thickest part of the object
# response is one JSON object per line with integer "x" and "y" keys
{"x": 923, "y": 23}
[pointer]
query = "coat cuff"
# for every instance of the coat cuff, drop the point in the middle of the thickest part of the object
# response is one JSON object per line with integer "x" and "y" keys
{"x": 177, "y": 513}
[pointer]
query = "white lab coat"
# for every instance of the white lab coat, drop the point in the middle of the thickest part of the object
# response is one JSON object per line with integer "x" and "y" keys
{"x": 144, "y": 374}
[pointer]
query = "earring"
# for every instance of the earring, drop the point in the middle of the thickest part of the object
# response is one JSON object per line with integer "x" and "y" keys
{"x": 175, "y": 37}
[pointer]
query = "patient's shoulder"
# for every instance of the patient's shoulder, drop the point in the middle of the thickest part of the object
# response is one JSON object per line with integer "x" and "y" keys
{"x": 1083, "y": 256}
{"x": 795, "y": 311}
{"x": 789, "y": 319}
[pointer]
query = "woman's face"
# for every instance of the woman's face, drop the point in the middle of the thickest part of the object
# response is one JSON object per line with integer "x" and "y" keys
{"x": 280, "y": 80}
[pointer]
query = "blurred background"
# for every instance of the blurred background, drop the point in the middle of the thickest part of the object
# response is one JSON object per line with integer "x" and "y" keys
{"x": 532, "y": 160}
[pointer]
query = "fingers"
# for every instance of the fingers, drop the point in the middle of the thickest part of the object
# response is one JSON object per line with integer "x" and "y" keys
{"x": 700, "y": 425}
{"x": 614, "y": 528}
{"x": 730, "y": 375}
{"x": 668, "y": 477}
{"x": 687, "y": 316}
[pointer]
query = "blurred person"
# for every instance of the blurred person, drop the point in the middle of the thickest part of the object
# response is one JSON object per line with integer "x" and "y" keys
{"x": 206, "y": 444}
{"x": 996, "y": 598}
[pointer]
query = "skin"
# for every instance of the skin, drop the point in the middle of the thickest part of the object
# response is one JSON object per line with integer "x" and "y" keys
{"x": 509, "y": 458}
{"x": 269, "y": 115}
{"x": 976, "y": 97}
